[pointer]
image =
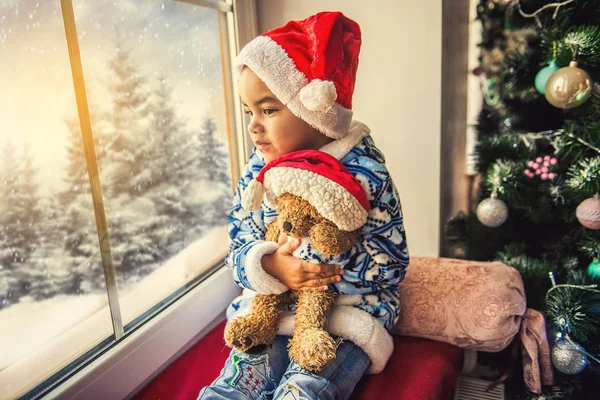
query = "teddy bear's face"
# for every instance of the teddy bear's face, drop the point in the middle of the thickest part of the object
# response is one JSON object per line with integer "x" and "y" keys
{"x": 296, "y": 215}
{"x": 298, "y": 218}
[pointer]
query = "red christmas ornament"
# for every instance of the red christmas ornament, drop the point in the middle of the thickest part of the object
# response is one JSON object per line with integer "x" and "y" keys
{"x": 477, "y": 71}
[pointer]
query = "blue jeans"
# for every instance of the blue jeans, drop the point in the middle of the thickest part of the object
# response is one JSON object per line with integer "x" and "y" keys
{"x": 269, "y": 374}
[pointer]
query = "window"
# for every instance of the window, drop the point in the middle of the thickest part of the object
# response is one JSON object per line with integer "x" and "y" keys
{"x": 156, "y": 77}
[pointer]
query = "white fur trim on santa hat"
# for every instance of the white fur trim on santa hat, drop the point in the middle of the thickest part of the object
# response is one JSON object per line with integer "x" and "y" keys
{"x": 330, "y": 199}
{"x": 257, "y": 277}
{"x": 277, "y": 70}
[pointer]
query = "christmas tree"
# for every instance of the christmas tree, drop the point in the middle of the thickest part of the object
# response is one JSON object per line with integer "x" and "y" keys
{"x": 538, "y": 159}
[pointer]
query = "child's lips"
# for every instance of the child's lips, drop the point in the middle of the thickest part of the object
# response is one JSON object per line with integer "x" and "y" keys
{"x": 262, "y": 145}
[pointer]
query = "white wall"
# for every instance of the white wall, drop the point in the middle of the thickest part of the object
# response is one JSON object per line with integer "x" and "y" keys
{"x": 397, "y": 94}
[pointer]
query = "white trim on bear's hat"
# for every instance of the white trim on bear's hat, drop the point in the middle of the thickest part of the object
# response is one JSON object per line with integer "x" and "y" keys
{"x": 330, "y": 199}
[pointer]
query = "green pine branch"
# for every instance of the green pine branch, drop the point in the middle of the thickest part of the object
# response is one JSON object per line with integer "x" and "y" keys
{"x": 584, "y": 178}
{"x": 574, "y": 312}
{"x": 583, "y": 44}
{"x": 589, "y": 243}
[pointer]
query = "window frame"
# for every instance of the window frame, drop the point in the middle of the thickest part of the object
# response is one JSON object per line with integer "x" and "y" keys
{"x": 122, "y": 369}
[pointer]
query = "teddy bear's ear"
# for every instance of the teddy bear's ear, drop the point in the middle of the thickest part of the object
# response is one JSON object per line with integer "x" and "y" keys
{"x": 253, "y": 195}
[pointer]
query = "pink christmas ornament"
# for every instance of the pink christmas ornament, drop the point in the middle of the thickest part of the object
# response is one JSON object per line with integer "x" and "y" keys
{"x": 546, "y": 158}
{"x": 552, "y": 175}
{"x": 553, "y": 161}
{"x": 530, "y": 164}
{"x": 544, "y": 170}
{"x": 546, "y": 163}
{"x": 535, "y": 165}
{"x": 539, "y": 159}
{"x": 588, "y": 213}
{"x": 544, "y": 176}
{"x": 538, "y": 171}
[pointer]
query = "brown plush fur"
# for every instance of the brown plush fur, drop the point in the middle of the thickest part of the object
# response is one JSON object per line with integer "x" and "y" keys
{"x": 310, "y": 346}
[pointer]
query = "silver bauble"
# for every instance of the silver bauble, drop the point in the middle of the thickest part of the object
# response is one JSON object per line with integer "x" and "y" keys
{"x": 568, "y": 357}
{"x": 568, "y": 87}
{"x": 492, "y": 212}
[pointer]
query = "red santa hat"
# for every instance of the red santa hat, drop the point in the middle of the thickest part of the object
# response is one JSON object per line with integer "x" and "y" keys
{"x": 318, "y": 178}
{"x": 310, "y": 66}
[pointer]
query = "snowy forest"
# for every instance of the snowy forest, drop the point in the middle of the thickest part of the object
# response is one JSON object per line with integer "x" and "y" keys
{"x": 165, "y": 184}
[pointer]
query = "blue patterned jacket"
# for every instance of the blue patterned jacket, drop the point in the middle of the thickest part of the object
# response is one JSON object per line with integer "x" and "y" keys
{"x": 374, "y": 267}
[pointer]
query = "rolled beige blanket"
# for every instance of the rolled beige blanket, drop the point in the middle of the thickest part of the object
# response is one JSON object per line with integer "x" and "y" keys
{"x": 473, "y": 305}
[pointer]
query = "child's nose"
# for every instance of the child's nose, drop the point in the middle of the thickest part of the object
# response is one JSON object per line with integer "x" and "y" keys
{"x": 254, "y": 126}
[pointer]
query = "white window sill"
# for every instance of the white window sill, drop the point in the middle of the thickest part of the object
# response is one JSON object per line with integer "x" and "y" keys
{"x": 121, "y": 370}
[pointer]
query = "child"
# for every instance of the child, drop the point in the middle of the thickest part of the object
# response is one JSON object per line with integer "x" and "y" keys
{"x": 296, "y": 83}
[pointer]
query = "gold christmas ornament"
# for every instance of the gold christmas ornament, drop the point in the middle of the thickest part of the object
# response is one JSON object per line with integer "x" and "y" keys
{"x": 568, "y": 87}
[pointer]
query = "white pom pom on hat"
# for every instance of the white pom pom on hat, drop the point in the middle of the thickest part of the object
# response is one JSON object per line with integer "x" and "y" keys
{"x": 253, "y": 195}
{"x": 318, "y": 95}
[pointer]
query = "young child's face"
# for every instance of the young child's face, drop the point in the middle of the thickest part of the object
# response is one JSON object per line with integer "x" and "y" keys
{"x": 274, "y": 129}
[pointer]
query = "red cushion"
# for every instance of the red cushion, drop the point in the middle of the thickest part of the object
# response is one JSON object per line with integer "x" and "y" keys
{"x": 418, "y": 369}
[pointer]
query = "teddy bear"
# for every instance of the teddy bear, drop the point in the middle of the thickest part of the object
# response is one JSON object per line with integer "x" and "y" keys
{"x": 319, "y": 201}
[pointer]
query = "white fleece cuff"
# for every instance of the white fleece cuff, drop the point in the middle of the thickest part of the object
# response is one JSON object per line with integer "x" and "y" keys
{"x": 257, "y": 277}
{"x": 357, "y": 326}
{"x": 365, "y": 332}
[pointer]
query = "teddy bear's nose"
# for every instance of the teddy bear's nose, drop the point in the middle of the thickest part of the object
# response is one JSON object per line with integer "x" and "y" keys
{"x": 287, "y": 226}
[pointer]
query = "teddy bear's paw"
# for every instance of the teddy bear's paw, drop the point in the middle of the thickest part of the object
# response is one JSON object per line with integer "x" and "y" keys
{"x": 247, "y": 336}
{"x": 312, "y": 349}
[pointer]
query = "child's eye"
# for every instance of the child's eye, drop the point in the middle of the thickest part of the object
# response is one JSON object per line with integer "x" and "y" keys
{"x": 248, "y": 112}
{"x": 269, "y": 111}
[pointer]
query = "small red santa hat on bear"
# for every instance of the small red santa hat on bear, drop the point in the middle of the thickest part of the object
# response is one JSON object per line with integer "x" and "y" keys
{"x": 318, "y": 178}
{"x": 310, "y": 66}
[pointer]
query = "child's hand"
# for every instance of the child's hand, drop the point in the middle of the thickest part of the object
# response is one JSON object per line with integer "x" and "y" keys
{"x": 296, "y": 273}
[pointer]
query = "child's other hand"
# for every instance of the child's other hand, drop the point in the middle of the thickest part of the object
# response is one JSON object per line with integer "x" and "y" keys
{"x": 296, "y": 273}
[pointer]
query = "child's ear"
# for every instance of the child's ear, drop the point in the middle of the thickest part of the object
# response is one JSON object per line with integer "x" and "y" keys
{"x": 328, "y": 239}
